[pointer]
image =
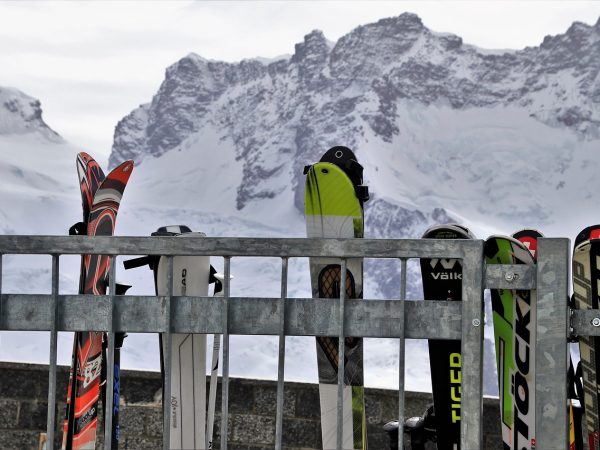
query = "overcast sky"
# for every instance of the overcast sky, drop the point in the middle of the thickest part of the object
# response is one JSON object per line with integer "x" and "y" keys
{"x": 91, "y": 63}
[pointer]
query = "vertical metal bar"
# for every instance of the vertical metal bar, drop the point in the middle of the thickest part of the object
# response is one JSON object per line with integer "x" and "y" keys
{"x": 341, "y": 357}
{"x": 401, "y": 355}
{"x": 167, "y": 341}
{"x": 225, "y": 382}
{"x": 1, "y": 302}
{"x": 552, "y": 354}
{"x": 471, "y": 410}
{"x": 110, "y": 358}
{"x": 281, "y": 360}
{"x": 51, "y": 419}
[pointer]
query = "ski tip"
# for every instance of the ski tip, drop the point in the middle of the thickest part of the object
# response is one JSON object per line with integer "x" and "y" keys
{"x": 84, "y": 156}
{"x": 494, "y": 249}
{"x": 527, "y": 232}
{"x": 338, "y": 154}
{"x": 512, "y": 239}
{"x": 126, "y": 166}
{"x": 588, "y": 234}
{"x": 120, "y": 173}
{"x": 528, "y": 237}
{"x": 448, "y": 231}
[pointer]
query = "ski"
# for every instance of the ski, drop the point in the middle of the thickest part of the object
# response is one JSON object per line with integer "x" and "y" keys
{"x": 586, "y": 273}
{"x": 90, "y": 177}
{"x": 442, "y": 280}
{"x": 212, "y": 393}
{"x": 191, "y": 276}
{"x": 334, "y": 200}
{"x": 514, "y": 318}
{"x": 81, "y": 432}
{"x": 120, "y": 289}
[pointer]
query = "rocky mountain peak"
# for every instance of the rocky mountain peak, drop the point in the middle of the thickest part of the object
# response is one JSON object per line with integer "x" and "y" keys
{"x": 311, "y": 57}
{"x": 368, "y": 50}
{"x": 314, "y": 46}
{"x": 577, "y": 38}
{"x": 579, "y": 28}
{"x": 21, "y": 114}
{"x": 404, "y": 23}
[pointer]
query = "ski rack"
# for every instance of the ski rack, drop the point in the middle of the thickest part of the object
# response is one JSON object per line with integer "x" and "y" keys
{"x": 392, "y": 318}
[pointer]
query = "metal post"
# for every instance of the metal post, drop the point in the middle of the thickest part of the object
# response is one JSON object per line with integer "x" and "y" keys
{"x": 552, "y": 355}
{"x": 110, "y": 359}
{"x": 1, "y": 302}
{"x": 225, "y": 382}
{"x": 167, "y": 341}
{"x": 471, "y": 410}
{"x": 281, "y": 360}
{"x": 401, "y": 356}
{"x": 341, "y": 357}
{"x": 51, "y": 420}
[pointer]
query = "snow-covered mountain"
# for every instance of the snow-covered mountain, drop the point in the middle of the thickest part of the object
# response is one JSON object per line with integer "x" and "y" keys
{"x": 33, "y": 158}
{"x": 440, "y": 125}
{"x": 22, "y": 114}
{"x": 496, "y": 140}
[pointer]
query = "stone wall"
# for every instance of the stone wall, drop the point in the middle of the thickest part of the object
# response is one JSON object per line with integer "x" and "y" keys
{"x": 23, "y": 411}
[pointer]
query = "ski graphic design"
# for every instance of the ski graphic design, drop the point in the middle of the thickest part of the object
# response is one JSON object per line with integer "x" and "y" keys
{"x": 334, "y": 199}
{"x": 90, "y": 177}
{"x": 191, "y": 426}
{"x": 88, "y": 362}
{"x": 514, "y": 317}
{"x": 442, "y": 280}
{"x": 586, "y": 273}
{"x": 529, "y": 237}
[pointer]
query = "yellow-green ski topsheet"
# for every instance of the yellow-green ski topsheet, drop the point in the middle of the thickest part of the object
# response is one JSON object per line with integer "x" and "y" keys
{"x": 330, "y": 193}
{"x": 514, "y": 334}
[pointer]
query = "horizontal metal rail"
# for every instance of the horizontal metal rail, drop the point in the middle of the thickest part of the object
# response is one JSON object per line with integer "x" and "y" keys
{"x": 261, "y": 247}
{"x": 247, "y": 315}
{"x": 399, "y": 318}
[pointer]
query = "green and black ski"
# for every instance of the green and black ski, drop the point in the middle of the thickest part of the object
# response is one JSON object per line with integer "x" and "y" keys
{"x": 514, "y": 317}
{"x": 442, "y": 280}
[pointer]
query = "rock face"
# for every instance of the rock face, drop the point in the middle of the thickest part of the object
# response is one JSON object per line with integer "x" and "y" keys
{"x": 328, "y": 92}
{"x": 22, "y": 114}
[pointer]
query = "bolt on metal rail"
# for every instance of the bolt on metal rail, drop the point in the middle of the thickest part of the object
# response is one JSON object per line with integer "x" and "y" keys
{"x": 398, "y": 318}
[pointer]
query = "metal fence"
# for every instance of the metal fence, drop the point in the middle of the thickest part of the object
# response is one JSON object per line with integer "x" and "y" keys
{"x": 398, "y": 317}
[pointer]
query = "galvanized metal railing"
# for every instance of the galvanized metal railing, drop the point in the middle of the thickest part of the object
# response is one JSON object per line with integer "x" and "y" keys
{"x": 391, "y": 318}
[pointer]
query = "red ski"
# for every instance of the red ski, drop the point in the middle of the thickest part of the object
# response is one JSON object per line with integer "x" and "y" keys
{"x": 90, "y": 177}
{"x": 80, "y": 427}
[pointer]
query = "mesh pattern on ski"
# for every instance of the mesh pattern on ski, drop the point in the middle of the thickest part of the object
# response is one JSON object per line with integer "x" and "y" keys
{"x": 329, "y": 287}
{"x": 330, "y": 280}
